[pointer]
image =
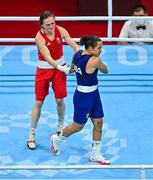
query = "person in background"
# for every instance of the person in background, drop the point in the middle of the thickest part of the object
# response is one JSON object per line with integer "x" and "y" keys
{"x": 51, "y": 69}
{"x": 137, "y": 28}
{"x": 86, "y": 99}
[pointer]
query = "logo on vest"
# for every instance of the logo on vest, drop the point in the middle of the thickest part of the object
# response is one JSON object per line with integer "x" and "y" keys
{"x": 58, "y": 40}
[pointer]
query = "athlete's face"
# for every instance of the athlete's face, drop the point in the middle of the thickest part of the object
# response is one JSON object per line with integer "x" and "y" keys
{"x": 49, "y": 24}
{"x": 97, "y": 49}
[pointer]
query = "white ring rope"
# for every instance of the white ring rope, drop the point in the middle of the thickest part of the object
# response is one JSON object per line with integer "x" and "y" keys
{"x": 80, "y": 18}
{"x": 68, "y": 167}
{"x": 78, "y": 39}
{"x": 109, "y": 31}
{"x": 75, "y": 18}
{"x": 47, "y": 167}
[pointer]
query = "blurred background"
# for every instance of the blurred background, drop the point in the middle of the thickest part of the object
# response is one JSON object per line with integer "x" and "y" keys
{"x": 22, "y": 29}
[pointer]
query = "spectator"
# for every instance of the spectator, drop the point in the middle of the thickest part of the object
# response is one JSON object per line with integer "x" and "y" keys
{"x": 137, "y": 28}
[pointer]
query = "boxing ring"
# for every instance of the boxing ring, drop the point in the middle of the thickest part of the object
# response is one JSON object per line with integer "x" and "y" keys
{"x": 127, "y": 96}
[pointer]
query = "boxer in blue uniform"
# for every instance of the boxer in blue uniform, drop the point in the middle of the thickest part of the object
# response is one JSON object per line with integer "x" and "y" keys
{"x": 86, "y": 99}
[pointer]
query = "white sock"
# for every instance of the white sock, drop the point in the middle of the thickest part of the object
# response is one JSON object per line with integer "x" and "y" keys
{"x": 96, "y": 146}
{"x": 32, "y": 133}
{"x": 96, "y": 143}
{"x": 60, "y": 126}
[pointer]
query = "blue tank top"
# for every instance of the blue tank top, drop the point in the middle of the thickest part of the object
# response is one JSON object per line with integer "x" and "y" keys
{"x": 80, "y": 61}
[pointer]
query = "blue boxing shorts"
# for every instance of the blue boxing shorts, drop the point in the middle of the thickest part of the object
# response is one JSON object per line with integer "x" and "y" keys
{"x": 87, "y": 105}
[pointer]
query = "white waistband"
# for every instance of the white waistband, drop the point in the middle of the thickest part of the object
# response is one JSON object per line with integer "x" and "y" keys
{"x": 87, "y": 89}
{"x": 46, "y": 65}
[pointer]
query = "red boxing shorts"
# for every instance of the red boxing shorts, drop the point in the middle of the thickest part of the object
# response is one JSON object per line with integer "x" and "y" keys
{"x": 42, "y": 82}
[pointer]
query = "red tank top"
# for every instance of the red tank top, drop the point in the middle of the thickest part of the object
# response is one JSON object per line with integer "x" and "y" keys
{"x": 54, "y": 46}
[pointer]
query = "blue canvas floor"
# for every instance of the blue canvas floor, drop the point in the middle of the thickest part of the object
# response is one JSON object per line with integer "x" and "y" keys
{"x": 127, "y": 97}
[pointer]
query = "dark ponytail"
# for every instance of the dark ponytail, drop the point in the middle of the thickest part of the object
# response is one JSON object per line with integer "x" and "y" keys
{"x": 89, "y": 40}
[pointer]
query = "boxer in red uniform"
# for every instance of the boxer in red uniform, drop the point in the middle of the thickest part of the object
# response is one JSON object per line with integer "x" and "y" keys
{"x": 51, "y": 69}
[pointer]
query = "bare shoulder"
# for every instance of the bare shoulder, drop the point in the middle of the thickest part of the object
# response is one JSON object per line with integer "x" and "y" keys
{"x": 37, "y": 35}
{"x": 60, "y": 28}
{"x": 39, "y": 39}
{"x": 94, "y": 61}
{"x": 63, "y": 31}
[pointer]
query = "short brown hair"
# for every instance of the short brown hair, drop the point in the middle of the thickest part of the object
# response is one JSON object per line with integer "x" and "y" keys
{"x": 45, "y": 15}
